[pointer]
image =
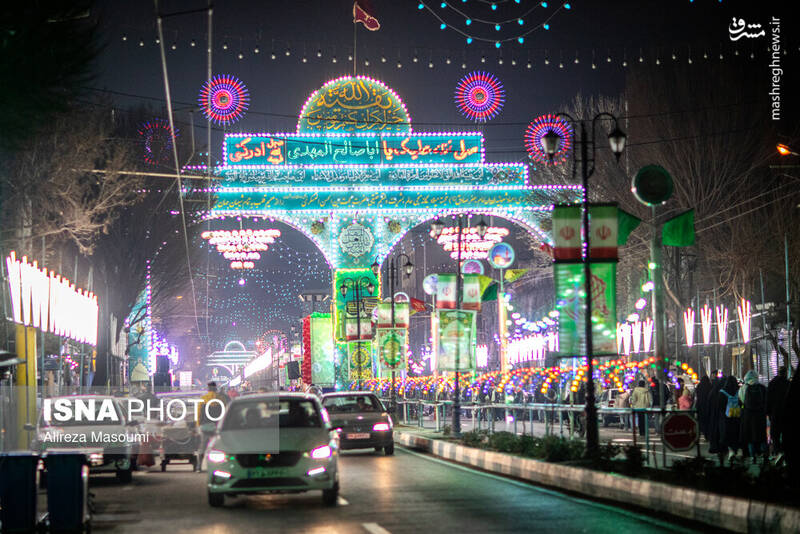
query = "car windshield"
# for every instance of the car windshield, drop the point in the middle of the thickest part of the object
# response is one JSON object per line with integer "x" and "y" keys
{"x": 352, "y": 403}
{"x": 291, "y": 413}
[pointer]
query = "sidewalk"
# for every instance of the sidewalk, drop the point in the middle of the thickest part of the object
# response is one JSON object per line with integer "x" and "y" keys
{"x": 715, "y": 510}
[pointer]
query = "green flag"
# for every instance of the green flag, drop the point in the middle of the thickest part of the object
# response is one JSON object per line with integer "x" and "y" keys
{"x": 627, "y": 224}
{"x": 512, "y": 275}
{"x": 490, "y": 293}
{"x": 679, "y": 231}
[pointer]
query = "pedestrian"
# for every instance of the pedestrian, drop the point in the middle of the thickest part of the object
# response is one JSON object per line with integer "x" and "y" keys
{"x": 624, "y": 402}
{"x": 754, "y": 415}
{"x": 685, "y": 400}
{"x": 776, "y": 403}
{"x": 715, "y": 415}
{"x": 700, "y": 398}
{"x": 791, "y": 429}
{"x": 730, "y": 414}
{"x": 640, "y": 400}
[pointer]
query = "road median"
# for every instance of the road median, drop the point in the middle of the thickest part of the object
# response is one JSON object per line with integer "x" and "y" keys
{"x": 719, "y": 511}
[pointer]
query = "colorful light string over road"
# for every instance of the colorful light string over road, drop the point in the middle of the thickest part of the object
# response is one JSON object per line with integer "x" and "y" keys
{"x": 480, "y": 96}
{"x": 224, "y": 99}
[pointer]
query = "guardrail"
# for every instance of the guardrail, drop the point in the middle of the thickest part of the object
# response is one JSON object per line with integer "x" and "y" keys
{"x": 566, "y": 420}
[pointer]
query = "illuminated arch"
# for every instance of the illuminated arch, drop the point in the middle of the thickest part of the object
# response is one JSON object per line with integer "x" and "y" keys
{"x": 234, "y": 346}
{"x": 354, "y": 104}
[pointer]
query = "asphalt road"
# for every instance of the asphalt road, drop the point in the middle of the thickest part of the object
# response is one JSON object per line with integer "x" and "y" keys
{"x": 408, "y": 492}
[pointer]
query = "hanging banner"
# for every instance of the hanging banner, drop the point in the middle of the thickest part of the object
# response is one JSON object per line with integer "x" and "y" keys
{"x": 322, "y": 371}
{"x": 392, "y": 345}
{"x": 456, "y": 340}
{"x": 567, "y": 232}
{"x": 139, "y": 340}
{"x": 571, "y": 305}
{"x": 603, "y": 232}
{"x": 360, "y": 360}
{"x": 471, "y": 296}
{"x": 446, "y": 292}
{"x": 358, "y": 328}
{"x": 401, "y": 315}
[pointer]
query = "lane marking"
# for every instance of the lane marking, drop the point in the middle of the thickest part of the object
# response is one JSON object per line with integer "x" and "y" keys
{"x": 342, "y": 501}
{"x": 374, "y": 528}
{"x": 533, "y": 487}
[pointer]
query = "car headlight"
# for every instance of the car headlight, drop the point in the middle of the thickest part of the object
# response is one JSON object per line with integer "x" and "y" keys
{"x": 216, "y": 457}
{"x": 321, "y": 452}
{"x": 381, "y": 427}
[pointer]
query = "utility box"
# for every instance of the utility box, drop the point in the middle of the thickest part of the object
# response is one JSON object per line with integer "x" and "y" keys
{"x": 18, "y": 491}
{"x": 67, "y": 491}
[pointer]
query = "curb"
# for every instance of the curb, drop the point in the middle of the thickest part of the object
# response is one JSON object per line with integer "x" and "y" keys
{"x": 720, "y": 511}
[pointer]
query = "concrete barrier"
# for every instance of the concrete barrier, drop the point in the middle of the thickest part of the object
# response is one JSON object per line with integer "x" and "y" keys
{"x": 720, "y": 511}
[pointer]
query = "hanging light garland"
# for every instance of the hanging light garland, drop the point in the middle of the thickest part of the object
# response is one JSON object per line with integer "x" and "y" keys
{"x": 480, "y": 96}
{"x": 224, "y": 99}
{"x": 475, "y": 24}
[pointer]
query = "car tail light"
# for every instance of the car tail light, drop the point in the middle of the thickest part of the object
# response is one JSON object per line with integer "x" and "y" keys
{"x": 381, "y": 427}
{"x": 216, "y": 457}
{"x": 321, "y": 452}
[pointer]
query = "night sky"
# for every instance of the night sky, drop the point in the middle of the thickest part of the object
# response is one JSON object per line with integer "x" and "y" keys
{"x": 131, "y": 74}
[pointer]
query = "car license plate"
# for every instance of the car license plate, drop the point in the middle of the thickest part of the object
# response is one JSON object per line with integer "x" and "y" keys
{"x": 360, "y": 435}
{"x": 266, "y": 472}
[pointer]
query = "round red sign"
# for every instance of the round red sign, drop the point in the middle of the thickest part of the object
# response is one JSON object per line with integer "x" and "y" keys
{"x": 680, "y": 431}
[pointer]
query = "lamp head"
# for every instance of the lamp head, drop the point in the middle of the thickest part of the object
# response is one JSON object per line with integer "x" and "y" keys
{"x": 437, "y": 227}
{"x": 617, "y": 140}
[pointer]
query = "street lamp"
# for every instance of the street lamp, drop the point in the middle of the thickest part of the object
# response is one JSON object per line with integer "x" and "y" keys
{"x": 357, "y": 285}
{"x": 437, "y": 227}
{"x": 784, "y": 150}
{"x": 393, "y": 269}
{"x": 550, "y": 143}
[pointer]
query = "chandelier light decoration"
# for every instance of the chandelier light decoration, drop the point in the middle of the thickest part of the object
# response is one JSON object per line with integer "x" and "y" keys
{"x": 224, "y": 99}
{"x": 744, "y": 313}
{"x": 473, "y": 246}
{"x": 542, "y": 126}
{"x": 688, "y": 326}
{"x": 156, "y": 138}
{"x": 722, "y": 324}
{"x": 241, "y": 247}
{"x": 705, "y": 323}
{"x": 480, "y": 96}
{"x": 647, "y": 328}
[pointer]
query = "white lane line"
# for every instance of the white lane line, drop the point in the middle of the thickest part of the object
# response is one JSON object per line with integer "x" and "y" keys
{"x": 342, "y": 501}
{"x": 533, "y": 487}
{"x": 374, "y": 528}
{"x": 127, "y": 488}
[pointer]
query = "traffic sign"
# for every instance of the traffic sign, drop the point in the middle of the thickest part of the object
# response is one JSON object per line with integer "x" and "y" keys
{"x": 680, "y": 431}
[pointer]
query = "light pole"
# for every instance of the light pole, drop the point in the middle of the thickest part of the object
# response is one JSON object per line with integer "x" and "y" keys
{"x": 393, "y": 272}
{"x": 551, "y": 142}
{"x": 357, "y": 285}
{"x": 436, "y": 230}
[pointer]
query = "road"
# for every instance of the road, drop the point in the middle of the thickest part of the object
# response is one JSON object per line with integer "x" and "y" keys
{"x": 408, "y": 492}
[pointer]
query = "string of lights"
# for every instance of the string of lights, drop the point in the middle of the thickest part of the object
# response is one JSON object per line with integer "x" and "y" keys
{"x": 521, "y": 57}
{"x": 506, "y": 30}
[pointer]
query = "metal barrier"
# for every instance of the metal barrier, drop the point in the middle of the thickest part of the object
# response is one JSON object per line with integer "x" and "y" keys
{"x": 565, "y": 420}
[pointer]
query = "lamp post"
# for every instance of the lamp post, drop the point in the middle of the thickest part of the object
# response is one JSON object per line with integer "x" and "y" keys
{"x": 551, "y": 142}
{"x": 436, "y": 230}
{"x": 357, "y": 285}
{"x": 393, "y": 271}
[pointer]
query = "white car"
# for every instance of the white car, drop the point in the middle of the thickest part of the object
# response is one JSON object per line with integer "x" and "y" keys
{"x": 273, "y": 443}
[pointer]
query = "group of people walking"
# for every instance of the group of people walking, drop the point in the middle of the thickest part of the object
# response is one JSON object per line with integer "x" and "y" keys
{"x": 734, "y": 415}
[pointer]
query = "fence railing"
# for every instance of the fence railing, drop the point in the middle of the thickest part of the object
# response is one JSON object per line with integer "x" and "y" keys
{"x": 566, "y": 420}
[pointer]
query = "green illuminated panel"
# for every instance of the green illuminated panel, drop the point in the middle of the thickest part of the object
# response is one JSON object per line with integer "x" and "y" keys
{"x": 265, "y": 151}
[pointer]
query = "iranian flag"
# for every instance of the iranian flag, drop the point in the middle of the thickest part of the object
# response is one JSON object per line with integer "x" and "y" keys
{"x": 364, "y": 13}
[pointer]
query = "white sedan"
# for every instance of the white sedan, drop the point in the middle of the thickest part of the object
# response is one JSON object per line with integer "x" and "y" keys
{"x": 273, "y": 443}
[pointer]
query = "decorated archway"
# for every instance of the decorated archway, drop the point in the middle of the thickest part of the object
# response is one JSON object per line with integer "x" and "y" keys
{"x": 355, "y": 178}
